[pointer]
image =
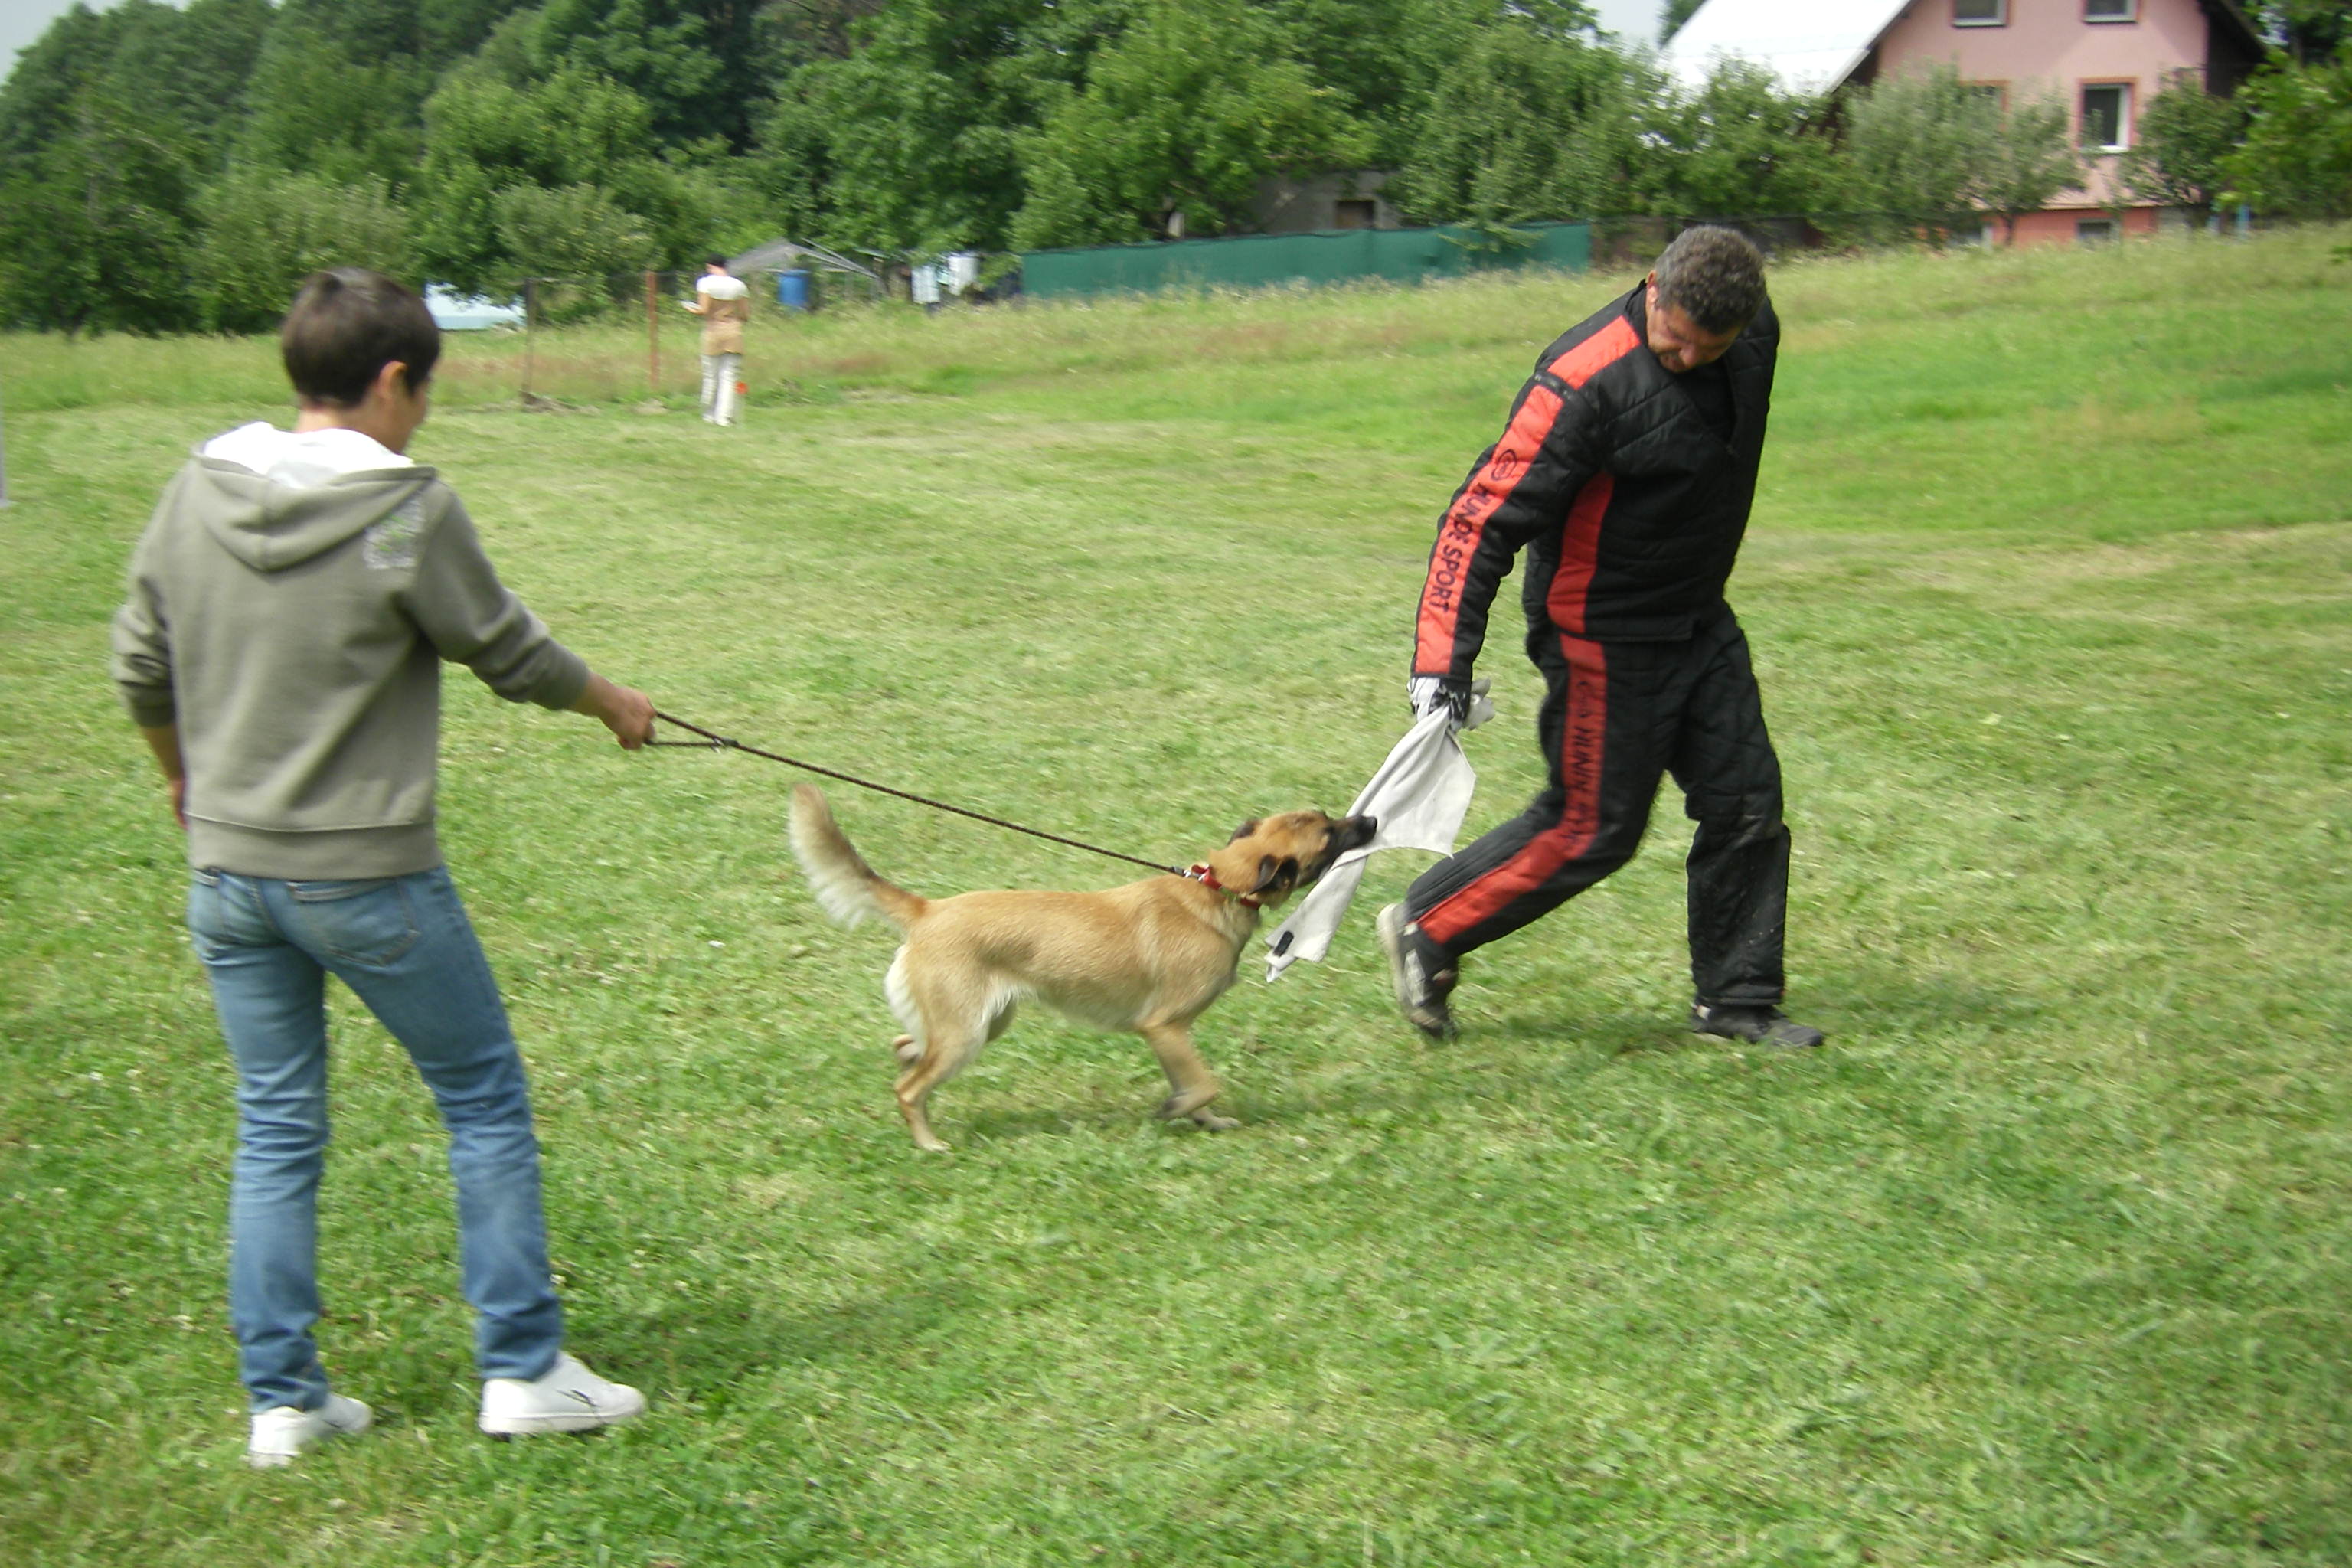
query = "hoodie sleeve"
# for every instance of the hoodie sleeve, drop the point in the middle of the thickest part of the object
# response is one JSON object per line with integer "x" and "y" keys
{"x": 472, "y": 618}
{"x": 141, "y": 662}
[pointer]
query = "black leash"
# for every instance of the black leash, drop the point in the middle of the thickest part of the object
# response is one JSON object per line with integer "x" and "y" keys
{"x": 712, "y": 741}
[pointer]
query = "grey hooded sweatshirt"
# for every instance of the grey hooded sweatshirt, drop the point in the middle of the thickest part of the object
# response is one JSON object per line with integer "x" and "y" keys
{"x": 289, "y": 615}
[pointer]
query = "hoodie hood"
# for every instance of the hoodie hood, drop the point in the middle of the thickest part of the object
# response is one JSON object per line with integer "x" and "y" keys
{"x": 275, "y": 498}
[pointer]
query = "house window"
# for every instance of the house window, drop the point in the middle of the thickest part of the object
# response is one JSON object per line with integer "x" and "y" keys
{"x": 2094, "y": 230}
{"x": 2110, "y": 10}
{"x": 1994, "y": 93}
{"x": 2106, "y": 116}
{"x": 1979, "y": 13}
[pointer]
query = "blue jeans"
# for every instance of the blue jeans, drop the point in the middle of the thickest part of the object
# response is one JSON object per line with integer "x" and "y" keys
{"x": 405, "y": 946}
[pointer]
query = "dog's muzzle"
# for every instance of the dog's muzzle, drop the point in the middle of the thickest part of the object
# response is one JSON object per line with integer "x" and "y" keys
{"x": 1348, "y": 832}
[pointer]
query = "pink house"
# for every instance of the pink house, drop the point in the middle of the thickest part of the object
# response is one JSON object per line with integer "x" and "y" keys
{"x": 2103, "y": 58}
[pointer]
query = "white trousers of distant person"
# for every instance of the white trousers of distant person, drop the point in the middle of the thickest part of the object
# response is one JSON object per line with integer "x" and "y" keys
{"x": 720, "y": 374}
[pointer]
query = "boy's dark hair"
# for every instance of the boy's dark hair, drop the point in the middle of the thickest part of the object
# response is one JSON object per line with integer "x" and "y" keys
{"x": 718, "y": 261}
{"x": 1714, "y": 276}
{"x": 345, "y": 325}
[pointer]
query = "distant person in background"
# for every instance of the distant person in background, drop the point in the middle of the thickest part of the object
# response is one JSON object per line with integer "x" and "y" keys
{"x": 724, "y": 304}
{"x": 291, "y": 605}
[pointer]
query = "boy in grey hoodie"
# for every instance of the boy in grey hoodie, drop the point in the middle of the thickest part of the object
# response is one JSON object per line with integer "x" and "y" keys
{"x": 280, "y": 648}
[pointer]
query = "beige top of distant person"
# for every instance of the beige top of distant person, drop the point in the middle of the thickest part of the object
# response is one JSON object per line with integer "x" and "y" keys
{"x": 724, "y": 304}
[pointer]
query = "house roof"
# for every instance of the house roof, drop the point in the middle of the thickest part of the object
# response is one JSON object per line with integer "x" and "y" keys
{"x": 1811, "y": 45}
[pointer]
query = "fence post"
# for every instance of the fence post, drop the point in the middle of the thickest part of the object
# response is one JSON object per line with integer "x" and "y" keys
{"x": 653, "y": 334}
{"x": 530, "y": 296}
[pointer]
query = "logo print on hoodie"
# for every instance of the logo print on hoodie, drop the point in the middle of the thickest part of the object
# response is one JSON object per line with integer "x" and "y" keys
{"x": 391, "y": 540}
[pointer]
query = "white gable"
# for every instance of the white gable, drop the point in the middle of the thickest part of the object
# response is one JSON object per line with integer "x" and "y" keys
{"x": 1811, "y": 45}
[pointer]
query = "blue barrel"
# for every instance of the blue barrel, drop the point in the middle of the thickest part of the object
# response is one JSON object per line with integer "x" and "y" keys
{"x": 792, "y": 289}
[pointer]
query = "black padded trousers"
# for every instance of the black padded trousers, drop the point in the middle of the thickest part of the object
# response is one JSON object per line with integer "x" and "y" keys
{"x": 1616, "y": 717}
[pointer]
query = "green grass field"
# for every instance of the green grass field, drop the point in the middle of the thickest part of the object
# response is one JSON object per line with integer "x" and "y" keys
{"x": 2045, "y": 1261}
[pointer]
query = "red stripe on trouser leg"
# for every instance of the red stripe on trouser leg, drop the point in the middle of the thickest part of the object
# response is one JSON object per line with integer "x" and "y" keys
{"x": 1582, "y": 730}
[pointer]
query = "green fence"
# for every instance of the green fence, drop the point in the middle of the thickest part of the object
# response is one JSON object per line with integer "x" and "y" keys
{"x": 1336, "y": 256}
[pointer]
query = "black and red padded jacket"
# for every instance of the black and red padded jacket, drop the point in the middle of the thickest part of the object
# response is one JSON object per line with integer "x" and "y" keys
{"x": 1629, "y": 506}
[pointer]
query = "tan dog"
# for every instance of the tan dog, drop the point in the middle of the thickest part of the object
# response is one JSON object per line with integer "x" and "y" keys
{"x": 1149, "y": 957}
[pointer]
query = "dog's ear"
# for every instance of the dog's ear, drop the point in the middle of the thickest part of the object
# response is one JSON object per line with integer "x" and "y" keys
{"x": 1243, "y": 831}
{"x": 1276, "y": 876}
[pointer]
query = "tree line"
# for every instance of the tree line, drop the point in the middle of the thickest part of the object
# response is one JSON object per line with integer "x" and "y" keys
{"x": 167, "y": 168}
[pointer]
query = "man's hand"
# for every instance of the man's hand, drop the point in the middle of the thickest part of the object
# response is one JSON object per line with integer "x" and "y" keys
{"x": 1465, "y": 701}
{"x": 1427, "y": 692}
{"x": 163, "y": 740}
{"x": 625, "y": 711}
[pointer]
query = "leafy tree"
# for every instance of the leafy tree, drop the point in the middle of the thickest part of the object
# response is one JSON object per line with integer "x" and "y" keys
{"x": 94, "y": 229}
{"x": 1917, "y": 143}
{"x": 2297, "y": 156}
{"x": 580, "y": 135}
{"x": 1927, "y": 149}
{"x": 1379, "y": 58}
{"x": 336, "y": 92}
{"x": 1178, "y": 123}
{"x": 1738, "y": 146}
{"x": 2030, "y": 159}
{"x": 2314, "y": 29}
{"x": 569, "y": 231}
{"x": 265, "y": 231}
{"x": 1527, "y": 122}
{"x": 181, "y": 67}
{"x": 107, "y": 126}
{"x": 801, "y": 30}
{"x": 1677, "y": 13}
{"x": 2182, "y": 138}
{"x": 37, "y": 104}
{"x": 699, "y": 66}
{"x": 449, "y": 30}
{"x": 912, "y": 142}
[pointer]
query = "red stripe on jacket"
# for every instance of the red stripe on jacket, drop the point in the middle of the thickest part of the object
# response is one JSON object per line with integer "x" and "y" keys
{"x": 1580, "y": 542}
{"x": 1583, "y": 728}
{"x": 1597, "y": 352}
{"x": 1579, "y": 552}
{"x": 1466, "y": 525}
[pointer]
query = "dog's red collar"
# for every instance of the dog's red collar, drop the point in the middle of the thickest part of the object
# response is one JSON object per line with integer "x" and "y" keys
{"x": 1201, "y": 873}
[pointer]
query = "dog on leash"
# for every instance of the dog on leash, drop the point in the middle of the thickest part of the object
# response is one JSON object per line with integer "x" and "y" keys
{"x": 1147, "y": 958}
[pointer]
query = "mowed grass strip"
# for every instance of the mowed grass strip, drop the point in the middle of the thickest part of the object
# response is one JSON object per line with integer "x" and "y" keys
{"x": 2042, "y": 1260}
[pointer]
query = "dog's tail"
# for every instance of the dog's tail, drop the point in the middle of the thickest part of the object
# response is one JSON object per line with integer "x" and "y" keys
{"x": 845, "y": 885}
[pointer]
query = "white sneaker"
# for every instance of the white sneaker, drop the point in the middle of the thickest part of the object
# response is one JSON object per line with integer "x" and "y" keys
{"x": 567, "y": 1397}
{"x": 282, "y": 1432}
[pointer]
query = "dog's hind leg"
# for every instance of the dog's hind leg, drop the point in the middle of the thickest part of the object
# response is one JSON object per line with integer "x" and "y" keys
{"x": 911, "y": 1050}
{"x": 953, "y": 1012}
{"x": 1193, "y": 1085}
{"x": 944, "y": 1050}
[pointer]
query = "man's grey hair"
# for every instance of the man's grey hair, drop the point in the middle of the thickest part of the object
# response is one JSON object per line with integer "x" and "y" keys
{"x": 1714, "y": 276}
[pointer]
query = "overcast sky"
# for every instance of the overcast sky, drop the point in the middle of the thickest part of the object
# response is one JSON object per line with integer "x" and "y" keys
{"x": 21, "y": 21}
